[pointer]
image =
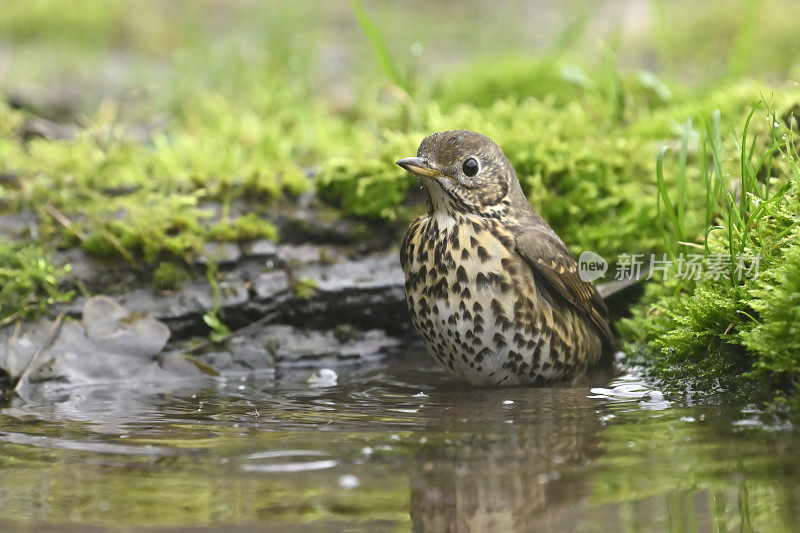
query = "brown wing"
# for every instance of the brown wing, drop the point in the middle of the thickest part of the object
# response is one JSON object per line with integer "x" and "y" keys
{"x": 550, "y": 258}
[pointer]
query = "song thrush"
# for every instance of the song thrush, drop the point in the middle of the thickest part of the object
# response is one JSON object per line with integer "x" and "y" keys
{"x": 493, "y": 291}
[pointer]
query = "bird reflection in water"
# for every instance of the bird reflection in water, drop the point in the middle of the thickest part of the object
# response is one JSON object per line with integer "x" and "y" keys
{"x": 510, "y": 474}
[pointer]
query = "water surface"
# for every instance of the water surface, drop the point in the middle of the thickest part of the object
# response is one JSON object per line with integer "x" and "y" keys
{"x": 393, "y": 445}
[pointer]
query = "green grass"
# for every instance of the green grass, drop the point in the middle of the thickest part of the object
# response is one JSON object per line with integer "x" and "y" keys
{"x": 736, "y": 332}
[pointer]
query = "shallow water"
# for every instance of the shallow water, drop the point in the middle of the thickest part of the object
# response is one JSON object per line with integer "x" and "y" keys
{"x": 391, "y": 445}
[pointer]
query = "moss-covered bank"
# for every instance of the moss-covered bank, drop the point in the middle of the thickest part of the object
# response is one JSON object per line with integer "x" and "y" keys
{"x": 734, "y": 330}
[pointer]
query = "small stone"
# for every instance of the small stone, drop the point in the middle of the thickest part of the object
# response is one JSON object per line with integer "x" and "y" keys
{"x": 111, "y": 327}
{"x": 260, "y": 249}
{"x": 19, "y": 343}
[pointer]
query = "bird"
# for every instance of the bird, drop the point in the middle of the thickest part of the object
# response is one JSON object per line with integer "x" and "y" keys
{"x": 491, "y": 288}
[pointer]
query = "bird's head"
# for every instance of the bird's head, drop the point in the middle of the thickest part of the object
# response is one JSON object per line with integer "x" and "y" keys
{"x": 463, "y": 172}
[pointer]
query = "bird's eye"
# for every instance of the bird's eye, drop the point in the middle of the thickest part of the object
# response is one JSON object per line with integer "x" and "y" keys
{"x": 470, "y": 167}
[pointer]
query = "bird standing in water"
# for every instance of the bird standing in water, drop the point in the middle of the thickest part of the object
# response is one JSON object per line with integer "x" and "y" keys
{"x": 492, "y": 290}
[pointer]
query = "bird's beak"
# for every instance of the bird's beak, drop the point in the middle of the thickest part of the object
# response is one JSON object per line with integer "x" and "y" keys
{"x": 418, "y": 166}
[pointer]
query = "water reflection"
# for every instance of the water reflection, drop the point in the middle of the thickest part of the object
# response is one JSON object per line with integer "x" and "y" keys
{"x": 390, "y": 445}
{"x": 508, "y": 467}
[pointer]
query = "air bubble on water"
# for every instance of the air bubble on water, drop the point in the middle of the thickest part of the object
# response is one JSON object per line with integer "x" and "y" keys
{"x": 325, "y": 377}
{"x": 349, "y": 481}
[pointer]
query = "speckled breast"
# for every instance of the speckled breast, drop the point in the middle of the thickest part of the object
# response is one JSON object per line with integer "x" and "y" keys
{"x": 478, "y": 308}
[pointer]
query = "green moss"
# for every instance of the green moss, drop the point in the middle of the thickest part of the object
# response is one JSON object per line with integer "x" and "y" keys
{"x": 775, "y": 337}
{"x": 169, "y": 276}
{"x": 689, "y": 337}
{"x": 735, "y": 333}
{"x": 247, "y": 227}
{"x": 28, "y": 281}
{"x": 303, "y": 288}
{"x": 132, "y": 199}
{"x": 369, "y": 188}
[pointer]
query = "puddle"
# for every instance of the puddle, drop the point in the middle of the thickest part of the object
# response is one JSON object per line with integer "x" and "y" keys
{"x": 390, "y": 445}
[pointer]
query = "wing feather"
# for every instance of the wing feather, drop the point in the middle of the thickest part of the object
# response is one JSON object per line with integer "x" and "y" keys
{"x": 552, "y": 260}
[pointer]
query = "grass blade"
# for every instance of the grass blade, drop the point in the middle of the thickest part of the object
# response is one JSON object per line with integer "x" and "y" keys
{"x": 682, "y": 179}
{"x": 378, "y": 44}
